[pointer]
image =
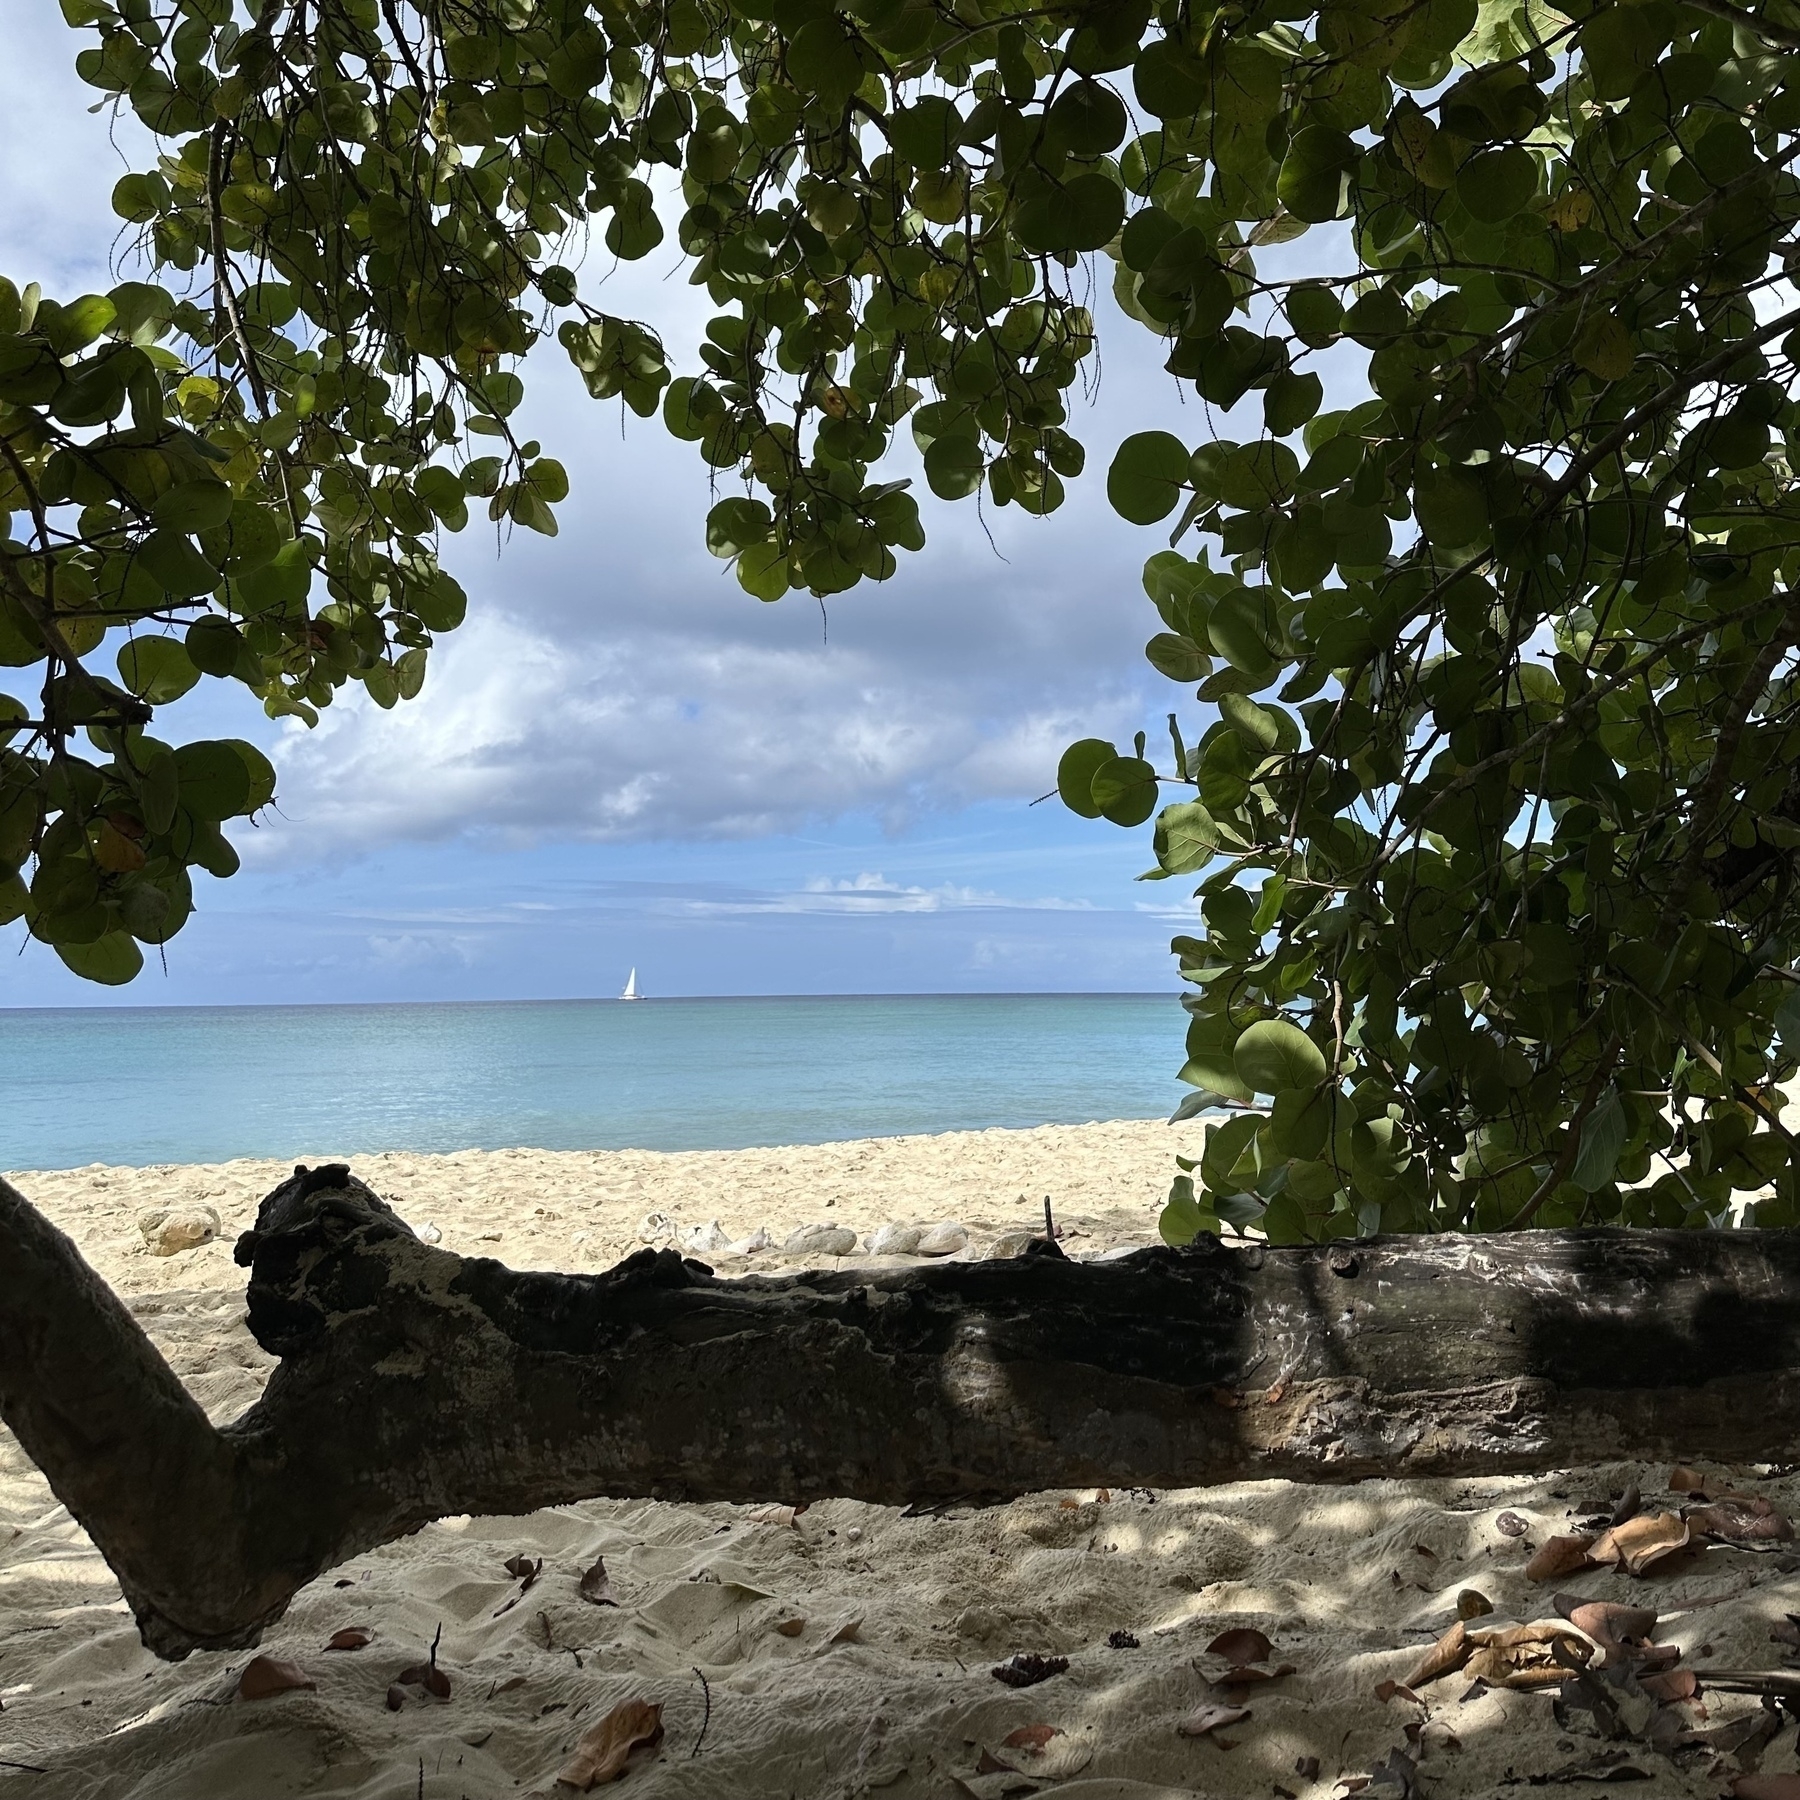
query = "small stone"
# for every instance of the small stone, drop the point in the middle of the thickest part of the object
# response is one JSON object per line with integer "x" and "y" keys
{"x": 853, "y": 1535}
{"x": 754, "y": 1245}
{"x": 656, "y": 1228}
{"x": 1010, "y": 1244}
{"x": 819, "y": 1240}
{"x": 705, "y": 1240}
{"x": 429, "y": 1234}
{"x": 168, "y": 1230}
{"x": 895, "y": 1240}
{"x": 944, "y": 1239}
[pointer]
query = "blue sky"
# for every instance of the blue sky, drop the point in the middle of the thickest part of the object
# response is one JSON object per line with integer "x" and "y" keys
{"x": 621, "y": 759}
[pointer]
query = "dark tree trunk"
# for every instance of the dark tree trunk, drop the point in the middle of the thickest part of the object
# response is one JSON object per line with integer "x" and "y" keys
{"x": 414, "y": 1383}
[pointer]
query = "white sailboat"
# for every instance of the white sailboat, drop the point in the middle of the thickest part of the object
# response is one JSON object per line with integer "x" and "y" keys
{"x": 631, "y": 992}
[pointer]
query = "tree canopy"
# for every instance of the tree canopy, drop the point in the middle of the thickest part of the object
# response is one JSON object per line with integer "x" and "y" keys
{"x": 1494, "y": 788}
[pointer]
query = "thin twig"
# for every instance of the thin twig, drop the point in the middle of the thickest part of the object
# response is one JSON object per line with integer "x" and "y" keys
{"x": 706, "y": 1717}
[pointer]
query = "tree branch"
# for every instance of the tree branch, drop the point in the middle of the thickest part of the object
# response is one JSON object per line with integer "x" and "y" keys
{"x": 415, "y": 1384}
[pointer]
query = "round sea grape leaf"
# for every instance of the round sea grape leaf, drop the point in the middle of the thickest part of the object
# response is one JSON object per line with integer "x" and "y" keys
{"x": 1300, "y": 1122}
{"x": 737, "y": 524}
{"x": 1094, "y": 210}
{"x": 111, "y": 959}
{"x": 1168, "y": 80}
{"x": 13, "y": 898}
{"x": 1495, "y": 184}
{"x": 1258, "y": 475}
{"x": 1235, "y": 629}
{"x": 1147, "y": 477}
{"x": 1290, "y": 400}
{"x": 1089, "y": 118}
{"x": 762, "y": 571}
{"x": 634, "y": 230}
{"x": 170, "y": 560}
{"x": 1285, "y": 1221}
{"x": 1259, "y": 726}
{"x": 1186, "y": 837}
{"x": 201, "y": 505}
{"x": 1450, "y": 506}
{"x": 1273, "y": 1054}
{"x": 1146, "y": 233}
{"x": 1317, "y": 173}
{"x": 157, "y": 669}
{"x": 954, "y": 467}
{"x": 1124, "y": 790}
{"x": 689, "y": 407}
{"x": 1183, "y": 1218}
{"x": 215, "y": 779}
{"x": 823, "y": 60}
{"x": 281, "y": 584}
{"x": 1604, "y": 347}
{"x": 1177, "y": 657}
{"x": 1225, "y": 1145}
{"x": 1075, "y": 774}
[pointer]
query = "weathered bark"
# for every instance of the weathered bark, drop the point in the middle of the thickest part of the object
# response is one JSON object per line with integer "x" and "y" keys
{"x": 414, "y": 1383}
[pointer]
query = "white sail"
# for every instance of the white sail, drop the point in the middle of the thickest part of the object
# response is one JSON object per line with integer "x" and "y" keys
{"x": 630, "y": 992}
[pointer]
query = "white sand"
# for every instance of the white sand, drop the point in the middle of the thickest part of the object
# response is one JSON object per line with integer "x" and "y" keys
{"x": 1348, "y": 1583}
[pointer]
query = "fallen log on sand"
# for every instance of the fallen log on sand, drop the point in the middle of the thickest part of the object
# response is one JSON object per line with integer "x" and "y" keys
{"x": 414, "y": 1383}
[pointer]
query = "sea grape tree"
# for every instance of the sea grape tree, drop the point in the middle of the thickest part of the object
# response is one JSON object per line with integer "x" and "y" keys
{"x": 1491, "y": 779}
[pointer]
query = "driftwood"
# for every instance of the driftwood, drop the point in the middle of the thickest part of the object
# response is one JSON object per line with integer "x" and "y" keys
{"x": 414, "y": 1383}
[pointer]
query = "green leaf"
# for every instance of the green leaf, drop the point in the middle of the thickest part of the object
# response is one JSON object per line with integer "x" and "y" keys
{"x": 1186, "y": 837}
{"x": 1179, "y": 658}
{"x": 1498, "y": 183}
{"x": 1301, "y": 1121}
{"x": 214, "y": 778}
{"x": 954, "y": 467}
{"x": 111, "y": 959}
{"x": 1148, "y": 476}
{"x": 193, "y": 506}
{"x": 1603, "y": 1135}
{"x": 157, "y": 669}
{"x": 1317, "y": 173}
{"x": 1290, "y": 400}
{"x": 736, "y": 525}
{"x": 1183, "y": 1218}
{"x": 1075, "y": 774}
{"x": 1124, "y": 790}
{"x": 1272, "y": 1055}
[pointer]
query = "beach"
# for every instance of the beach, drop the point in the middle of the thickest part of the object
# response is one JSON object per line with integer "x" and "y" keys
{"x": 846, "y": 1650}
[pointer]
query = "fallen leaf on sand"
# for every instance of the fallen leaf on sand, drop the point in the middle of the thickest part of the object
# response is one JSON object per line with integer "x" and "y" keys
{"x": 602, "y": 1753}
{"x": 1444, "y": 1657}
{"x": 1042, "y": 1752}
{"x": 1307, "y": 1767}
{"x": 849, "y": 1632}
{"x": 989, "y": 1764}
{"x": 396, "y": 1697}
{"x": 1028, "y": 1737}
{"x": 1683, "y": 1480}
{"x": 1787, "y": 1631}
{"x": 426, "y": 1675}
{"x": 773, "y": 1515}
{"x": 1204, "y": 1720}
{"x": 1525, "y": 1656}
{"x": 525, "y": 1568}
{"x": 1509, "y": 1524}
{"x": 595, "y": 1587}
{"x": 1243, "y": 1644}
{"x": 1472, "y": 1603}
{"x": 1639, "y": 1544}
{"x": 352, "y": 1637}
{"x": 266, "y": 1675}
{"x": 1672, "y": 1684}
{"x": 1766, "y": 1787}
{"x": 1386, "y": 1690}
{"x": 1623, "y": 1632}
{"x": 790, "y": 1627}
{"x": 1741, "y": 1519}
{"x": 1559, "y": 1556}
{"x": 1028, "y": 1670}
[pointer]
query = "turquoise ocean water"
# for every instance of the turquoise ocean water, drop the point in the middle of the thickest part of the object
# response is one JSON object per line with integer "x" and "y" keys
{"x": 202, "y": 1084}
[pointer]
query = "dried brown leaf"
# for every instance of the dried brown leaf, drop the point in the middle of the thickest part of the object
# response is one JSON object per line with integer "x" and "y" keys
{"x": 1683, "y": 1480}
{"x": 1621, "y": 1631}
{"x": 1472, "y": 1603}
{"x": 267, "y": 1675}
{"x": 849, "y": 1632}
{"x": 524, "y": 1568}
{"x": 1444, "y": 1657}
{"x": 1028, "y": 1737}
{"x": 1526, "y": 1656}
{"x": 1204, "y": 1720}
{"x": 396, "y": 1697}
{"x": 1670, "y": 1684}
{"x": 1228, "y": 1398}
{"x": 1559, "y": 1556}
{"x": 352, "y": 1637}
{"x": 989, "y": 1764}
{"x": 774, "y": 1515}
{"x": 1741, "y": 1519}
{"x": 596, "y": 1587}
{"x": 1630, "y": 1504}
{"x": 1386, "y": 1690}
{"x": 790, "y": 1627}
{"x": 1640, "y": 1543}
{"x": 1242, "y": 1644}
{"x": 603, "y": 1752}
{"x": 1787, "y": 1631}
